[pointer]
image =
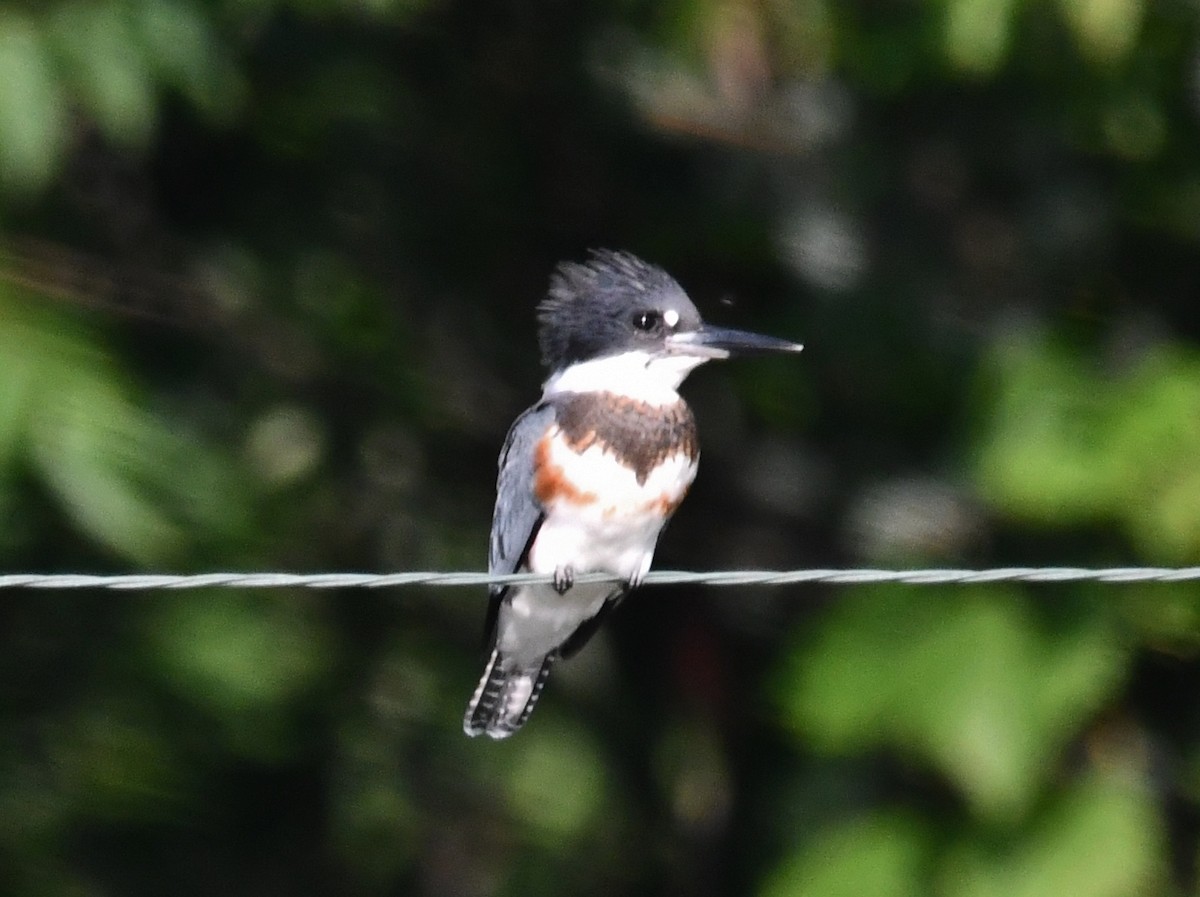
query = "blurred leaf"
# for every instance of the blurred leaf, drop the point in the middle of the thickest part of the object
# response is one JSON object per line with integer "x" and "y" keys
{"x": 246, "y": 660}
{"x": 1155, "y": 443}
{"x": 1106, "y": 30}
{"x": 107, "y": 67}
{"x": 978, "y": 33}
{"x": 1166, "y": 616}
{"x": 33, "y": 126}
{"x": 1102, "y": 839}
{"x": 1045, "y": 455}
{"x": 17, "y": 389}
{"x": 968, "y": 679}
{"x": 556, "y": 782}
{"x": 85, "y": 441}
{"x": 183, "y": 48}
{"x": 884, "y": 856}
{"x": 116, "y": 762}
{"x": 1134, "y": 126}
{"x": 70, "y": 420}
{"x": 125, "y": 477}
{"x": 285, "y": 445}
{"x": 1066, "y": 445}
{"x": 238, "y": 652}
{"x": 806, "y": 35}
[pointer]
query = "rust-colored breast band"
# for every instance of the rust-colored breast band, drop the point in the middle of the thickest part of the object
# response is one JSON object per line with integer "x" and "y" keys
{"x": 550, "y": 483}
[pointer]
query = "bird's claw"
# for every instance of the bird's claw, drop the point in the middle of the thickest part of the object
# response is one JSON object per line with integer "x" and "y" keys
{"x": 564, "y": 578}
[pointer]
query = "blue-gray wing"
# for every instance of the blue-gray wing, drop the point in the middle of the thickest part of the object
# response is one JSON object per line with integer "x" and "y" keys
{"x": 518, "y": 513}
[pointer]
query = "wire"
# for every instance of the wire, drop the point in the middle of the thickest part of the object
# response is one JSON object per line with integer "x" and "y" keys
{"x": 151, "y": 582}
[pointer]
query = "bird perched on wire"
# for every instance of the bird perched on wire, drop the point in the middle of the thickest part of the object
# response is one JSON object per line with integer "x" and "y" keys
{"x": 590, "y": 475}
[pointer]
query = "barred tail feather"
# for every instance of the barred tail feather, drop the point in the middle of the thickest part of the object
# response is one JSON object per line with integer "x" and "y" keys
{"x": 505, "y": 697}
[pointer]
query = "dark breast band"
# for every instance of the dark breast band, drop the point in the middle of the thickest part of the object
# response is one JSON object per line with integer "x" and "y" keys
{"x": 640, "y": 435}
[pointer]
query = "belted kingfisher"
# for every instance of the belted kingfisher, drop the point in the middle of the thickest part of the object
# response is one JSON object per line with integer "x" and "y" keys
{"x": 590, "y": 475}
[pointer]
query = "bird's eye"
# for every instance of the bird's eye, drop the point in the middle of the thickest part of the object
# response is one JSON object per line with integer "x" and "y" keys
{"x": 647, "y": 321}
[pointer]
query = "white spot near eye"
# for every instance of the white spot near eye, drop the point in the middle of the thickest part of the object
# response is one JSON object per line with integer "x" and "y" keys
{"x": 671, "y": 317}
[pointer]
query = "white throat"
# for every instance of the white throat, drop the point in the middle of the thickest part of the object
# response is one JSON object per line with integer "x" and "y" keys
{"x": 638, "y": 375}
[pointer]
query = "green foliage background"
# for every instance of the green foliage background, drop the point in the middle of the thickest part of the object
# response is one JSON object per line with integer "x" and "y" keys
{"x": 267, "y": 278}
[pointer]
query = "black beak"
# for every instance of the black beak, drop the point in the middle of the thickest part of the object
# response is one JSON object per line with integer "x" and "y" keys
{"x": 721, "y": 342}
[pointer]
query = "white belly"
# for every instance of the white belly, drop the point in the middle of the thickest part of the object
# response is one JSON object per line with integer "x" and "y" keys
{"x": 611, "y": 526}
{"x": 536, "y": 620}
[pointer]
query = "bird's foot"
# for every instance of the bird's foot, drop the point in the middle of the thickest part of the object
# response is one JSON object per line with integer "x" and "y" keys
{"x": 638, "y": 575}
{"x": 564, "y": 578}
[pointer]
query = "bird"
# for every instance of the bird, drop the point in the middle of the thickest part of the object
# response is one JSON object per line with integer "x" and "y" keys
{"x": 590, "y": 474}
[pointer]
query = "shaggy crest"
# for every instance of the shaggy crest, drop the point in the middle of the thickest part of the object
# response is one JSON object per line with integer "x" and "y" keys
{"x": 582, "y": 293}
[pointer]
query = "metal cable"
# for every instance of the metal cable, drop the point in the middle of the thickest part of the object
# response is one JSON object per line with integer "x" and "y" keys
{"x": 151, "y": 581}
